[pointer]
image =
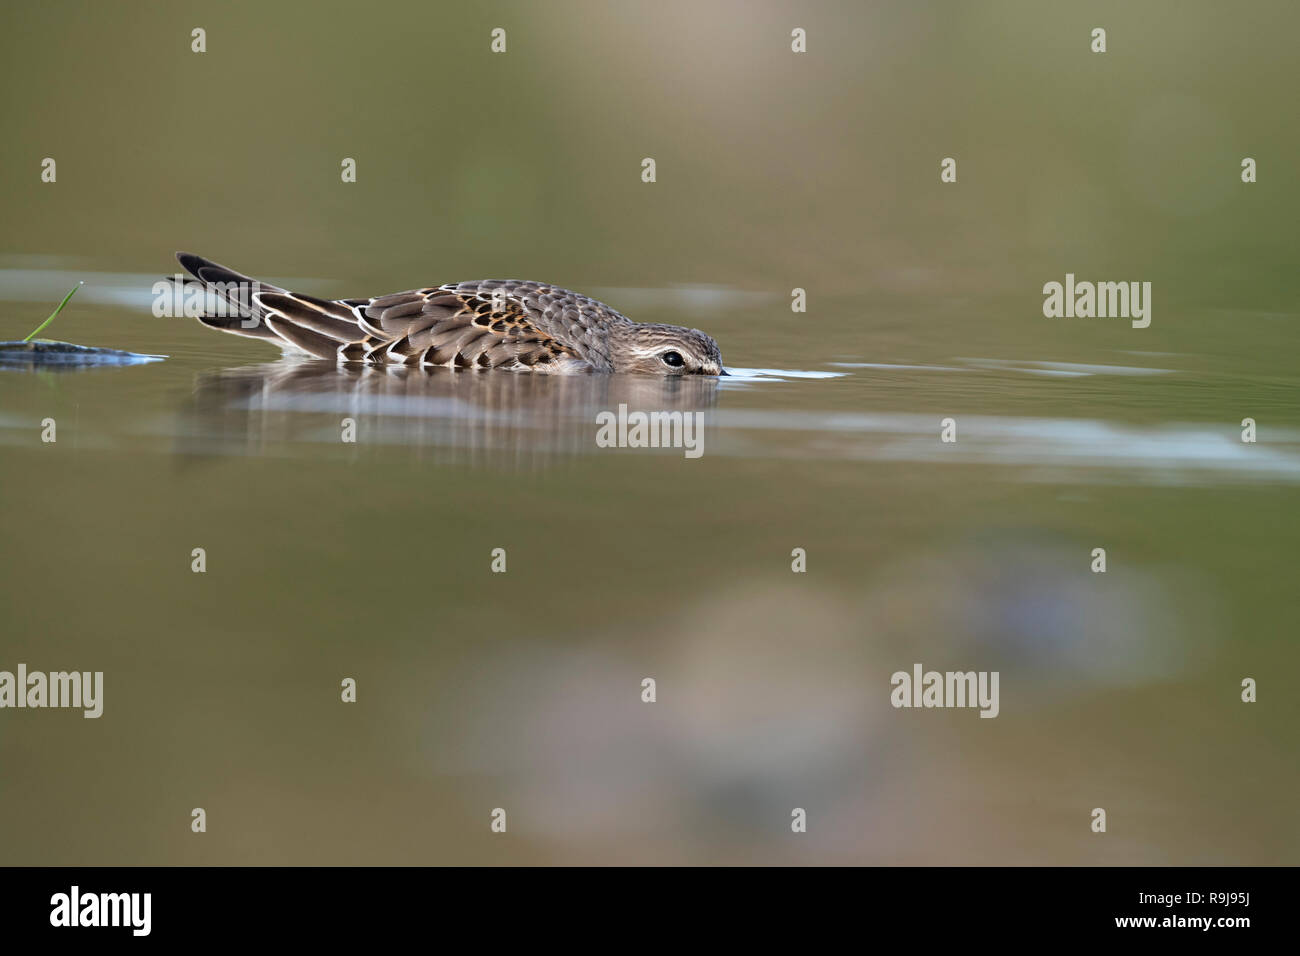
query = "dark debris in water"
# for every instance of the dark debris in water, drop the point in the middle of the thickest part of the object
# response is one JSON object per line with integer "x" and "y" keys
{"x": 45, "y": 353}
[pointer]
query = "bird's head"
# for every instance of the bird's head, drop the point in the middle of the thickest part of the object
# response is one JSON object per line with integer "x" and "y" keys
{"x": 664, "y": 350}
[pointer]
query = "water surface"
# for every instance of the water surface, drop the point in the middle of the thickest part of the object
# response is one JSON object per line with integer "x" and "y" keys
{"x": 372, "y": 559}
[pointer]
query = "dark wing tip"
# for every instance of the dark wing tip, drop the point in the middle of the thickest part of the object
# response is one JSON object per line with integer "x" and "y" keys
{"x": 191, "y": 262}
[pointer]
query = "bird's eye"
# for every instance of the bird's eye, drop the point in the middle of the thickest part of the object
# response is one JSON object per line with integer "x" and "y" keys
{"x": 673, "y": 359}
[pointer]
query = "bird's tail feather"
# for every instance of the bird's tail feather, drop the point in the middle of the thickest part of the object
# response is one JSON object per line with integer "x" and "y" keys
{"x": 243, "y": 315}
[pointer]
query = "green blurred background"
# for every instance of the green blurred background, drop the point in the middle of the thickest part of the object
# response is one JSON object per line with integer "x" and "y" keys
{"x": 775, "y": 171}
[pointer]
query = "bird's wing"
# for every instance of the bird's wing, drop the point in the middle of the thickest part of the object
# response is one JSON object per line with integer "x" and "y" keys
{"x": 494, "y": 323}
{"x": 432, "y": 326}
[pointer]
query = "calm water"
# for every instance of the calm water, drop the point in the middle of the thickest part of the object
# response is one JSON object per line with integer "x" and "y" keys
{"x": 476, "y": 690}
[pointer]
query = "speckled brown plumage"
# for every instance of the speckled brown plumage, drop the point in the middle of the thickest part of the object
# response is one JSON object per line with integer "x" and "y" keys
{"x": 509, "y": 324}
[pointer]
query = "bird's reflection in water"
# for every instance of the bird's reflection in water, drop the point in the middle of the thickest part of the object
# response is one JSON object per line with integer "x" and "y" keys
{"x": 488, "y": 417}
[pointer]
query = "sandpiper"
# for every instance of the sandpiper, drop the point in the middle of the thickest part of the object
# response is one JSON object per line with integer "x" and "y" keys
{"x": 507, "y": 324}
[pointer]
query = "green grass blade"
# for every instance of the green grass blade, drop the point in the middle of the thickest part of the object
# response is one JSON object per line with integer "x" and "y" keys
{"x": 36, "y": 331}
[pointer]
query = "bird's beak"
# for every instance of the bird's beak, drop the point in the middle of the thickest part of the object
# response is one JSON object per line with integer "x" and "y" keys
{"x": 723, "y": 371}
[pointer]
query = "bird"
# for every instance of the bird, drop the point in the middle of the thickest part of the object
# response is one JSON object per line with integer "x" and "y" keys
{"x": 510, "y": 324}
